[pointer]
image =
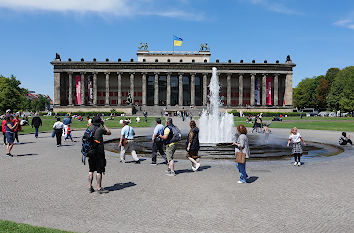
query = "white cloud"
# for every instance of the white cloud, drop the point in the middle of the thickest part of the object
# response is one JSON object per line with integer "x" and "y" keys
{"x": 111, "y": 7}
{"x": 347, "y": 23}
{"x": 275, "y": 6}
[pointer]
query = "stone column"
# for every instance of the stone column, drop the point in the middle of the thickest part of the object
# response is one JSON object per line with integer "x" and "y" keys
{"x": 289, "y": 89}
{"x": 119, "y": 89}
{"x": 132, "y": 87}
{"x": 156, "y": 90}
{"x": 83, "y": 89}
{"x": 193, "y": 89}
{"x": 240, "y": 90}
{"x": 70, "y": 88}
{"x": 229, "y": 89}
{"x": 264, "y": 89}
{"x": 205, "y": 89}
{"x": 276, "y": 90}
{"x": 180, "y": 90}
{"x": 57, "y": 89}
{"x": 168, "y": 101}
{"x": 144, "y": 89}
{"x": 107, "y": 89}
{"x": 252, "y": 89}
{"x": 94, "y": 84}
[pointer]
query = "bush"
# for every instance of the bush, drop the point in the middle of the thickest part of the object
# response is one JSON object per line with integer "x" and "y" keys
{"x": 266, "y": 114}
{"x": 90, "y": 113}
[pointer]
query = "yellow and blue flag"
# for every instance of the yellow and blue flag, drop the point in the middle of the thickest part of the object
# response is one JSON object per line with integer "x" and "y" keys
{"x": 177, "y": 41}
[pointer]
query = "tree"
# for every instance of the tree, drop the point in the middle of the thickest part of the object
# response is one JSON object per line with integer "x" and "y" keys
{"x": 305, "y": 94}
{"x": 331, "y": 75}
{"x": 10, "y": 96}
{"x": 322, "y": 93}
{"x": 341, "y": 95}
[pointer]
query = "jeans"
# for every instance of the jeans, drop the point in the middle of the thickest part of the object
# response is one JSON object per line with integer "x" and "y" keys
{"x": 242, "y": 169}
{"x": 157, "y": 147}
{"x": 68, "y": 136}
{"x": 36, "y": 134}
{"x": 4, "y": 138}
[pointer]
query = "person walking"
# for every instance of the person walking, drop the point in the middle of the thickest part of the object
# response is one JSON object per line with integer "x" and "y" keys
{"x": 192, "y": 145}
{"x": 242, "y": 145}
{"x": 18, "y": 127}
{"x": 68, "y": 134}
{"x": 97, "y": 163}
{"x": 296, "y": 139}
{"x": 66, "y": 122}
{"x": 170, "y": 146}
{"x": 126, "y": 142}
{"x": 10, "y": 126}
{"x": 36, "y": 123}
{"x": 145, "y": 115}
{"x": 3, "y": 123}
{"x": 58, "y": 129}
{"x": 157, "y": 142}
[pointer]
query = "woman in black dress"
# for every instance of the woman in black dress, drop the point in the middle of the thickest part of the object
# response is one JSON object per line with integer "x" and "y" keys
{"x": 192, "y": 146}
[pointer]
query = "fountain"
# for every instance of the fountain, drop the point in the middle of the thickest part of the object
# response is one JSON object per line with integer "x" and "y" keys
{"x": 215, "y": 126}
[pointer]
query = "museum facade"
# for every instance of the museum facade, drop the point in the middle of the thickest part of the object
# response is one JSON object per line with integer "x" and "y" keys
{"x": 170, "y": 79}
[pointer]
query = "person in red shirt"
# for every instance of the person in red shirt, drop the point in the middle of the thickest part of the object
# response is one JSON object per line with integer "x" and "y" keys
{"x": 18, "y": 127}
{"x": 68, "y": 134}
{"x": 4, "y": 130}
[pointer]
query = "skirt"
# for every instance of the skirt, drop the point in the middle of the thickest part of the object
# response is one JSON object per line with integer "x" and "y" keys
{"x": 297, "y": 148}
{"x": 192, "y": 154}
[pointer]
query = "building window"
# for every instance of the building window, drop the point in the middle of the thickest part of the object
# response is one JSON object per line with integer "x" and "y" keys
{"x": 162, "y": 90}
{"x": 174, "y": 90}
{"x": 150, "y": 90}
{"x": 198, "y": 91}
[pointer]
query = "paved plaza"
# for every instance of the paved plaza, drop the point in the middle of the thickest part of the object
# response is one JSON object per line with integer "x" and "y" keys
{"x": 47, "y": 186}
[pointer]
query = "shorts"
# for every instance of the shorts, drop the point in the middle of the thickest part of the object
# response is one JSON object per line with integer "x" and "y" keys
{"x": 170, "y": 151}
{"x": 97, "y": 163}
{"x": 192, "y": 154}
{"x": 9, "y": 137}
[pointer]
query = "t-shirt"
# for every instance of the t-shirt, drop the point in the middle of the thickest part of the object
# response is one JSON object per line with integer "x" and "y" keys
{"x": 99, "y": 133}
{"x": 167, "y": 132}
{"x": 128, "y": 132}
{"x": 58, "y": 125}
{"x": 295, "y": 138}
{"x": 159, "y": 130}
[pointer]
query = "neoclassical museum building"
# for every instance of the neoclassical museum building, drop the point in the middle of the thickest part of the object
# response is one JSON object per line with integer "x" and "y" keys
{"x": 172, "y": 80}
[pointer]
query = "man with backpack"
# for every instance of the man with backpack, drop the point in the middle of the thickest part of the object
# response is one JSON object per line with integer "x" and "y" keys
{"x": 97, "y": 160}
{"x": 171, "y": 136}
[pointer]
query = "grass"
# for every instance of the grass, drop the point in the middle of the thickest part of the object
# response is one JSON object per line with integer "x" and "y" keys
{"x": 314, "y": 123}
{"x": 76, "y": 124}
{"x": 12, "y": 227}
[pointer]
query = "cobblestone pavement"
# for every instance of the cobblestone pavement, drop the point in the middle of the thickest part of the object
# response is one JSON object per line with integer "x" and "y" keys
{"x": 47, "y": 186}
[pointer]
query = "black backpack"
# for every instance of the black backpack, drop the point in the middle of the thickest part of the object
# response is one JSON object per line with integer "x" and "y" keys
{"x": 88, "y": 144}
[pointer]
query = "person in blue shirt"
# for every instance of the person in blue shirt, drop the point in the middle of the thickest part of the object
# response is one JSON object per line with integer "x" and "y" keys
{"x": 126, "y": 142}
{"x": 157, "y": 142}
{"x": 66, "y": 122}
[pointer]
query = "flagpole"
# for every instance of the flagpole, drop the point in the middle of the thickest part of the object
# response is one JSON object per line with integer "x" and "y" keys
{"x": 173, "y": 44}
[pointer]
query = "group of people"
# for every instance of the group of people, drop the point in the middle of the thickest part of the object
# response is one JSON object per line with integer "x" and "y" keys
{"x": 61, "y": 129}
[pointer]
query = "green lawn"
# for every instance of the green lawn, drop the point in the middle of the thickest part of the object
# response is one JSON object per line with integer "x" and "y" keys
{"x": 316, "y": 123}
{"x": 76, "y": 124}
{"x": 12, "y": 227}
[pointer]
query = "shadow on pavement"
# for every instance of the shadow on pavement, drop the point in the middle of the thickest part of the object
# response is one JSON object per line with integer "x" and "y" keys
{"x": 21, "y": 155}
{"x": 119, "y": 186}
{"x": 252, "y": 179}
{"x": 24, "y": 143}
{"x": 201, "y": 168}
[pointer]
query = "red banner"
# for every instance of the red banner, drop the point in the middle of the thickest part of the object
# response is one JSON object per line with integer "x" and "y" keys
{"x": 78, "y": 89}
{"x": 269, "y": 91}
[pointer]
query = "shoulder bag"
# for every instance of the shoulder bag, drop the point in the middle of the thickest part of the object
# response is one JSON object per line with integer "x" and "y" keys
{"x": 240, "y": 156}
{"x": 125, "y": 140}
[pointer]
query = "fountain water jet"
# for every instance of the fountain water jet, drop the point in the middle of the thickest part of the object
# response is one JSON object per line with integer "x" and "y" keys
{"x": 214, "y": 126}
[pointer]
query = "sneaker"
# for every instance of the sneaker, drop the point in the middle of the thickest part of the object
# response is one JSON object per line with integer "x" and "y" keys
{"x": 58, "y": 145}
{"x": 153, "y": 164}
{"x": 193, "y": 168}
{"x": 171, "y": 174}
{"x": 197, "y": 166}
{"x": 298, "y": 163}
{"x": 91, "y": 190}
{"x": 137, "y": 162}
{"x": 5, "y": 144}
{"x": 9, "y": 155}
{"x": 241, "y": 182}
{"x": 168, "y": 170}
{"x": 295, "y": 163}
{"x": 102, "y": 191}
{"x": 122, "y": 161}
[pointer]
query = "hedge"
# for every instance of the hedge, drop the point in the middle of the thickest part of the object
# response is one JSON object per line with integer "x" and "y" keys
{"x": 89, "y": 113}
{"x": 266, "y": 114}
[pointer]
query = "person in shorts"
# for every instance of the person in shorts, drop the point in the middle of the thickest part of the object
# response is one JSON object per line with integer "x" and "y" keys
{"x": 297, "y": 151}
{"x": 170, "y": 147}
{"x": 97, "y": 162}
{"x": 10, "y": 135}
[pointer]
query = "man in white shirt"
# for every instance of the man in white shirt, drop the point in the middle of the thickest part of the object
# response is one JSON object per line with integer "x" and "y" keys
{"x": 126, "y": 142}
{"x": 58, "y": 129}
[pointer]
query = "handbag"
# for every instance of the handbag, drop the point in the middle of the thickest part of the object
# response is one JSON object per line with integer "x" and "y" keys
{"x": 240, "y": 157}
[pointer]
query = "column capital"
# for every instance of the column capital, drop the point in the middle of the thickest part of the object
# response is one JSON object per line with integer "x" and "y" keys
{"x": 193, "y": 74}
{"x": 229, "y": 75}
{"x": 156, "y": 73}
{"x": 119, "y": 73}
{"x": 253, "y": 74}
{"x": 107, "y": 73}
{"x": 276, "y": 75}
{"x": 82, "y": 72}
{"x": 169, "y": 73}
{"x": 240, "y": 74}
{"x": 181, "y": 74}
{"x": 264, "y": 75}
{"x": 132, "y": 73}
{"x": 144, "y": 73}
{"x": 95, "y": 72}
{"x": 70, "y": 72}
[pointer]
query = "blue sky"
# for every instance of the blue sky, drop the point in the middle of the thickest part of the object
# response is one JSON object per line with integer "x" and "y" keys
{"x": 317, "y": 34}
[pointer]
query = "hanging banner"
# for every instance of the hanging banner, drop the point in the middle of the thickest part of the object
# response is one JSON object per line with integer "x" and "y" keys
{"x": 90, "y": 89}
{"x": 78, "y": 89}
{"x": 269, "y": 91}
{"x": 257, "y": 92}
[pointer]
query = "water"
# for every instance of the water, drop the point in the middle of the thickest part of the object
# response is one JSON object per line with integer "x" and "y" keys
{"x": 215, "y": 126}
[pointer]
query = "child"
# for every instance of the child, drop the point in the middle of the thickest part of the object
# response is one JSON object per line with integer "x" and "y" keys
{"x": 344, "y": 140}
{"x": 296, "y": 139}
{"x": 68, "y": 134}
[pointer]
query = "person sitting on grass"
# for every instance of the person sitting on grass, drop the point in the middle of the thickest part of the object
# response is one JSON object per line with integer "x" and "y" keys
{"x": 344, "y": 140}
